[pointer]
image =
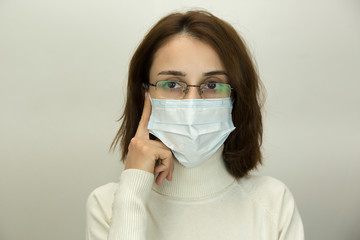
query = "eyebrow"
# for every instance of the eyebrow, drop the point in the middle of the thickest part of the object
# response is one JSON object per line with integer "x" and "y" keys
{"x": 182, "y": 74}
{"x": 219, "y": 72}
{"x": 172, "y": 72}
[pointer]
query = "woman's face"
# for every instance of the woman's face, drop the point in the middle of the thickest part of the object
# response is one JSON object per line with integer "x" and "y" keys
{"x": 184, "y": 58}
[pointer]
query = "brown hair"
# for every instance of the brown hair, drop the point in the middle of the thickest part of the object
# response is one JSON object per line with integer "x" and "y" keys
{"x": 242, "y": 147}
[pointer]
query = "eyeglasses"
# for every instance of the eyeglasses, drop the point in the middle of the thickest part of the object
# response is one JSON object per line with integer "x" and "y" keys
{"x": 177, "y": 89}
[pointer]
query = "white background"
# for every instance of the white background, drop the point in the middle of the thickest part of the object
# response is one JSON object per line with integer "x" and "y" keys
{"x": 63, "y": 67}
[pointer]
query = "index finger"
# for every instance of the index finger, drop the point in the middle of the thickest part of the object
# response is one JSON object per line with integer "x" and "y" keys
{"x": 142, "y": 131}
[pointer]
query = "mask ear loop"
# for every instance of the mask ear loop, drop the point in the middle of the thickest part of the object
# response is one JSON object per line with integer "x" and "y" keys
{"x": 232, "y": 95}
{"x": 146, "y": 87}
{"x": 151, "y": 136}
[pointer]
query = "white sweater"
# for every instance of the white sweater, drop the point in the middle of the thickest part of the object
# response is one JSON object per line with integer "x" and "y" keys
{"x": 204, "y": 202}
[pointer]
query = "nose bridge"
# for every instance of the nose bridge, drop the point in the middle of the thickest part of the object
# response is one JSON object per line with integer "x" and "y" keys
{"x": 193, "y": 92}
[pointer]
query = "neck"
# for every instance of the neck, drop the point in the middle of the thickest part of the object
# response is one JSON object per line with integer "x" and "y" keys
{"x": 203, "y": 181}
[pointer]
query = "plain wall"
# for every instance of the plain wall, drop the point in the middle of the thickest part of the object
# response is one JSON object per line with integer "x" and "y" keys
{"x": 63, "y": 69}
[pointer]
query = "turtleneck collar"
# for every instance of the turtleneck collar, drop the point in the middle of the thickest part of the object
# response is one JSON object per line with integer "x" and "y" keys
{"x": 203, "y": 181}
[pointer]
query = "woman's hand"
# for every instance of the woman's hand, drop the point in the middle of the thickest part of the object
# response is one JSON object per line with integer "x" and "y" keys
{"x": 143, "y": 153}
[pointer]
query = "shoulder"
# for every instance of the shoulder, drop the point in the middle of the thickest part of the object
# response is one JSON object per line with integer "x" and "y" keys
{"x": 130, "y": 180}
{"x": 100, "y": 200}
{"x": 274, "y": 199}
{"x": 256, "y": 185}
{"x": 103, "y": 193}
{"x": 267, "y": 192}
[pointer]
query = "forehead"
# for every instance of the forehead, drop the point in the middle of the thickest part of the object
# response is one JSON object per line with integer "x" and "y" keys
{"x": 186, "y": 54}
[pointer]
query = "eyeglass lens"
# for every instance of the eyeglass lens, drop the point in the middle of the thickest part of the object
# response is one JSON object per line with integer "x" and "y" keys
{"x": 177, "y": 90}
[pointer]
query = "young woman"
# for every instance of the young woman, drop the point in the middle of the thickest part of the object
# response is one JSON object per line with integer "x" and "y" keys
{"x": 191, "y": 132}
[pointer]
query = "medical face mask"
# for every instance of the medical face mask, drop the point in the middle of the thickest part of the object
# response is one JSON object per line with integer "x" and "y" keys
{"x": 193, "y": 129}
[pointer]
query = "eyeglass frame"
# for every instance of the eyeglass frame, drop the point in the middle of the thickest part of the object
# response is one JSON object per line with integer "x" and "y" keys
{"x": 186, "y": 85}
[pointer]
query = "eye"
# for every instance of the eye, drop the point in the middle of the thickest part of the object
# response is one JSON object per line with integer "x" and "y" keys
{"x": 215, "y": 87}
{"x": 215, "y": 90}
{"x": 169, "y": 84}
{"x": 211, "y": 85}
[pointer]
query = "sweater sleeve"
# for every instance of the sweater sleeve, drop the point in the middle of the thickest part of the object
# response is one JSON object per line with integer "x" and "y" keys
{"x": 127, "y": 219}
{"x": 290, "y": 224}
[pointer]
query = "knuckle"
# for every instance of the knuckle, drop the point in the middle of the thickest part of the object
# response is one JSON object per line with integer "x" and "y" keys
{"x": 134, "y": 141}
{"x": 137, "y": 143}
{"x": 169, "y": 154}
{"x": 132, "y": 144}
{"x": 140, "y": 145}
{"x": 144, "y": 148}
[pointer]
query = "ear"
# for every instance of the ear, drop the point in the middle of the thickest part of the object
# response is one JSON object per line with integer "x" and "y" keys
{"x": 145, "y": 87}
{"x": 233, "y": 96}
